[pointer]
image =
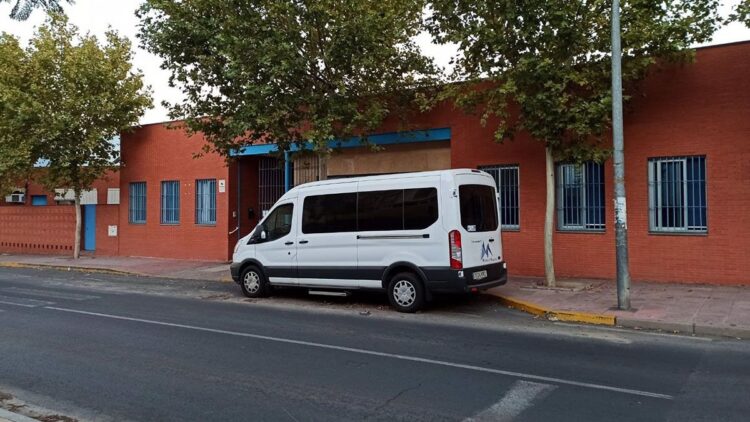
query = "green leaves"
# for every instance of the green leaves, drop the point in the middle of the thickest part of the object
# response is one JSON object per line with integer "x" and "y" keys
{"x": 549, "y": 60}
{"x": 741, "y": 13}
{"x": 62, "y": 99}
{"x": 22, "y": 9}
{"x": 288, "y": 70}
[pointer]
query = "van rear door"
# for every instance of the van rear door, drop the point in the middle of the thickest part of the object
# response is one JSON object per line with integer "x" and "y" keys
{"x": 480, "y": 228}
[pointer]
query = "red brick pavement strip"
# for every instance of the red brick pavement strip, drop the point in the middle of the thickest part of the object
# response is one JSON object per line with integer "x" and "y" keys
{"x": 693, "y": 309}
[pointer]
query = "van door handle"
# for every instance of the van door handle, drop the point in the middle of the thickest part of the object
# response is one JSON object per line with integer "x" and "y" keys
{"x": 289, "y": 243}
{"x": 492, "y": 240}
{"x": 302, "y": 242}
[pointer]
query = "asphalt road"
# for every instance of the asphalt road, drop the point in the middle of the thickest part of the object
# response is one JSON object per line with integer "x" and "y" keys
{"x": 100, "y": 347}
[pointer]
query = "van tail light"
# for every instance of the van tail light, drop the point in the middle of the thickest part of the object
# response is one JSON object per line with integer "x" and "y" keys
{"x": 454, "y": 240}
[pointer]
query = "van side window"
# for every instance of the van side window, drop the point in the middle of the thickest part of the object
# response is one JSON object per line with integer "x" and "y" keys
{"x": 279, "y": 223}
{"x": 380, "y": 210}
{"x": 402, "y": 209}
{"x": 420, "y": 208}
{"x": 330, "y": 213}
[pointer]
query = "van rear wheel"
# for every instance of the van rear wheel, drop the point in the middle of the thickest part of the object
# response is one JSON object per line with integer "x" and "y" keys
{"x": 253, "y": 283}
{"x": 406, "y": 293}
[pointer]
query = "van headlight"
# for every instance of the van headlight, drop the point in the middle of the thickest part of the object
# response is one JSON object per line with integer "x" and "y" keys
{"x": 237, "y": 245}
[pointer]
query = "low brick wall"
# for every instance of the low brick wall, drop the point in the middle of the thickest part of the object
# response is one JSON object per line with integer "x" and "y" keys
{"x": 40, "y": 230}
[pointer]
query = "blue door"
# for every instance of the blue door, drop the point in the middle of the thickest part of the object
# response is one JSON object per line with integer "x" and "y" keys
{"x": 89, "y": 227}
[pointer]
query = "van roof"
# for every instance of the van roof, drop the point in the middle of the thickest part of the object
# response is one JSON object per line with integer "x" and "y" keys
{"x": 452, "y": 172}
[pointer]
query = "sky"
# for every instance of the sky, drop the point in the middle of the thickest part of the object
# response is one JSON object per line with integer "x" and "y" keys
{"x": 95, "y": 16}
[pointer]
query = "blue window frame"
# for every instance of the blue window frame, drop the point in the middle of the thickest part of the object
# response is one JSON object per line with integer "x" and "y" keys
{"x": 137, "y": 203}
{"x": 205, "y": 201}
{"x": 170, "y": 202}
{"x": 38, "y": 200}
{"x": 506, "y": 179}
{"x": 580, "y": 196}
{"x": 677, "y": 194}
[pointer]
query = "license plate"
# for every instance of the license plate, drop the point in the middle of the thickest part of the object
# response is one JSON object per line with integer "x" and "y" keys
{"x": 479, "y": 275}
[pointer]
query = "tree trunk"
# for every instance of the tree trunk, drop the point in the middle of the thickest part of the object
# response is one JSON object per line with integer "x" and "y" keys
{"x": 549, "y": 216}
{"x": 77, "y": 241}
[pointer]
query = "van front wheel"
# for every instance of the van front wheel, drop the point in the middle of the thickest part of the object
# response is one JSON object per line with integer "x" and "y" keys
{"x": 406, "y": 293}
{"x": 253, "y": 284}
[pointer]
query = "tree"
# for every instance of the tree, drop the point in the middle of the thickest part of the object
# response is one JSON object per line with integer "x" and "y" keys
{"x": 61, "y": 100}
{"x": 741, "y": 13}
{"x": 22, "y": 8}
{"x": 288, "y": 71}
{"x": 545, "y": 67}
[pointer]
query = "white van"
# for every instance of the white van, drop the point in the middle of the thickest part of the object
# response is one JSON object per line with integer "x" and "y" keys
{"x": 409, "y": 234}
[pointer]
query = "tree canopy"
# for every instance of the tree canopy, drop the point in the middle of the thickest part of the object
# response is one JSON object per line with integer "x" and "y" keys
{"x": 62, "y": 99}
{"x": 551, "y": 59}
{"x": 287, "y": 70}
{"x": 22, "y": 9}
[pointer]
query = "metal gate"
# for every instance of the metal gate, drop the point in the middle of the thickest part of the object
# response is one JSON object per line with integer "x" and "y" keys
{"x": 270, "y": 182}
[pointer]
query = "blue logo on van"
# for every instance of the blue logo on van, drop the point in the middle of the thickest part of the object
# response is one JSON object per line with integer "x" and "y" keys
{"x": 486, "y": 252}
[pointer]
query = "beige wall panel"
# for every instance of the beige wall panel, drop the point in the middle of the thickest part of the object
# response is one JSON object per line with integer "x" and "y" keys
{"x": 391, "y": 159}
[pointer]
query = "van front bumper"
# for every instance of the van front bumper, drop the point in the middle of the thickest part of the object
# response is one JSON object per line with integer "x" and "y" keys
{"x": 234, "y": 269}
{"x": 447, "y": 280}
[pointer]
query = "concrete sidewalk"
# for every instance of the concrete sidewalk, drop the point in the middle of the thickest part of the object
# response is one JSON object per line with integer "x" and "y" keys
{"x": 686, "y": 308}
{"x": 148, "y": 267}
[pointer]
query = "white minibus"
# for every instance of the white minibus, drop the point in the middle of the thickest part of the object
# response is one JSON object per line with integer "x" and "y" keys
{"x": 409, "y": 234}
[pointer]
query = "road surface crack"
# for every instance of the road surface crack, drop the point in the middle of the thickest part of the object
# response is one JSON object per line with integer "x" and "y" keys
{"x": 394, "y": 398}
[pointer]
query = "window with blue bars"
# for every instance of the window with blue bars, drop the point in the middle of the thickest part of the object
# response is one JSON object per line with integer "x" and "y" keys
{"x": 506, "y": 180}
{"x": 205, "y": 201}
{"x": 580, "y": 196}
{"x": 137, "y": 203}
{"x": 677, "y": 194}
{"x": 170, "y": 202}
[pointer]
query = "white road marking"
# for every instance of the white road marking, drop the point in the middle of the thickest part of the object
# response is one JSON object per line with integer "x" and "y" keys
{"x": 515, "y": 401}
{"x": 521, "y": 375}
{"x": 26, "y": 303}
{"x": 49, "y": 293}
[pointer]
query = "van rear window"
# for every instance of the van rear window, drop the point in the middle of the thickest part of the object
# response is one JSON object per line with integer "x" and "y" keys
{"x": 478, "y": 208}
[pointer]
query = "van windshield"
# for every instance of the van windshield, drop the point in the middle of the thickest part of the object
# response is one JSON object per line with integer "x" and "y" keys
{"x": 478, "y": 208}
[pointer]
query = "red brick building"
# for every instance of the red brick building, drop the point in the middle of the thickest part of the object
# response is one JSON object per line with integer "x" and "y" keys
{"x": 687, "y": 161}
{"x": 39, "y": 221}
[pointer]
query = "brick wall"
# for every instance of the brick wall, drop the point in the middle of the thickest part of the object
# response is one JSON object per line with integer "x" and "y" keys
{"x": 37, "y": 230}
{"x": 697, "y": 109}
{"x": 152, "y": 154}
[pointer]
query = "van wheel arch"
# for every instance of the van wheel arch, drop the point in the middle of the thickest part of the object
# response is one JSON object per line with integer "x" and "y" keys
{"x": 252, "y": 263}
{"x": 405, "y": 267}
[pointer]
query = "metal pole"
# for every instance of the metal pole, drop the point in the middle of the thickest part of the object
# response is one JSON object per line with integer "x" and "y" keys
{"x": 239, "y": 198}
{"x": 287, "y": 171}
{"x": 621, "y": 224}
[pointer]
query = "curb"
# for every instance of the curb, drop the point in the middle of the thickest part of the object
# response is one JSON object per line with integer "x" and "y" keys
{"x": 689, "y": 328}
{"x": 10, "y": 264}
{"x": 567, "y": 316}
{"x": 7, "y": 415}
{"x": 68, "y": 268}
